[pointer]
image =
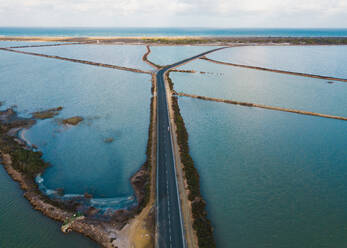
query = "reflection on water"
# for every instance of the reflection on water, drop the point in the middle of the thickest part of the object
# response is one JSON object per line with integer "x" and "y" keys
{"x": 320, "y": 60}
{"x": 115, "y": 104}
{"x": 122, "y": 55}
{"x": 271, "y": 179}
{"x": 280, "y": 90}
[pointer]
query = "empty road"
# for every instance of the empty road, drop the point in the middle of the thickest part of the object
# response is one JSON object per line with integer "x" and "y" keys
{"x": 169, "y": 219}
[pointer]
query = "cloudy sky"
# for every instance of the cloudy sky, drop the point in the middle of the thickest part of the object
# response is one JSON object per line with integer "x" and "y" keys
{"x": 176, "y": 13}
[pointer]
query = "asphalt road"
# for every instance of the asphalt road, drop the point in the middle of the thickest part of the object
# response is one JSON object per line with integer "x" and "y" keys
{"x": 169, "y": 220}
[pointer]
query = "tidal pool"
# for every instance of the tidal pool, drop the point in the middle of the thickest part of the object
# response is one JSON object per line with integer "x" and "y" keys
{"x": 320, "y": 60}
{"x": 261, "y": 87}
{"x": 122, "y": 55}
{"x": 270, "y": 179}
{"x": 115, "y": 104}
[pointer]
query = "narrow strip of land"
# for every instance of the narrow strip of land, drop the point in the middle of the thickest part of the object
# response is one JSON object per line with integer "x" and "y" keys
{"x": 169, "y": 216}
{"x": 145, "y": 58}
{"x": 276, "y": 71}
{"x": 247, "y": 104}
{"x": 49, "y": 45}
{"x": 78, "y": 61}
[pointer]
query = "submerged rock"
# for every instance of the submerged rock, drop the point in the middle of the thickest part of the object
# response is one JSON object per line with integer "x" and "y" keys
{"x": 88, "y": 196}
{"x": 109, "y": 140}
{"x": 73, "y": 120}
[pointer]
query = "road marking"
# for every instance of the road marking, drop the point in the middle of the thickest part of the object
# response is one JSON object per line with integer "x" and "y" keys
{"x": 160, "y": 108}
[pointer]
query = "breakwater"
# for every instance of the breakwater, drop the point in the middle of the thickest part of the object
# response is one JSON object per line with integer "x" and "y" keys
{"x": 276, "y": 71}
{"x": 78, "y": 61}
{"x": 247, "y": 104}
{"x": 145, "y": 58}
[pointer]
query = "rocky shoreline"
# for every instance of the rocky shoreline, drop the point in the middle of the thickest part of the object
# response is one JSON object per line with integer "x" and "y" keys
{"x": 18, "y": 159}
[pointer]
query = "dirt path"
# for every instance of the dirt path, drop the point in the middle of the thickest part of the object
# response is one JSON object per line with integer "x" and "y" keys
{"x": 145, "y": 58}
{"x": 247, "y": 104}
{"x": 78, "y": 61}
{"x": 276, "y": 71}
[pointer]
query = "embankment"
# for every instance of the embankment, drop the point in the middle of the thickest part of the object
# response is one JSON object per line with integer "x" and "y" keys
{"x": 201, "y": 224}
{"x": 145, "y": 58}
{"x": 276, "y": 71}
{"x": 78, "y": 61}
{"x": 247, "y": 104}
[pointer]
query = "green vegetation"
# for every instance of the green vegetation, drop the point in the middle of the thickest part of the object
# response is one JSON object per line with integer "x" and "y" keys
{"x": 169, "y": 82}
{"x": 201, "y": 224}
{"x": 148, "y": 163}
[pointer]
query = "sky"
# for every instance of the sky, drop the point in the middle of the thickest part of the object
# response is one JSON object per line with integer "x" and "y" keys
{"x": 175, "y": 13}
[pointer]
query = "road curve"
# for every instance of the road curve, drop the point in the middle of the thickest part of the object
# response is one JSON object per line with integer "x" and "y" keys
{"x": 169, "y": 218}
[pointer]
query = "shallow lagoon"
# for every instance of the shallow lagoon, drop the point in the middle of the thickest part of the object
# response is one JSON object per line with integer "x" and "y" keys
{"x": 114, "y": 104}
{"x": 274, "y": 89}
{"x": 167, "y": 55}
{"x": 122, "y": 55}
{"x": 271, "y": 179}
{"x": 320, "y": 60}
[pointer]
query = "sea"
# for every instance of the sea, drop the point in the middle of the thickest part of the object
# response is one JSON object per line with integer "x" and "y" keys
{"x": 172, "y": 32}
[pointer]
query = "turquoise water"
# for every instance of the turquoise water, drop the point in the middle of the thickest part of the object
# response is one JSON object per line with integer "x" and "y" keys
{"x": 23, "y": 227}
{"x": 122, "y": 55}
{"x": 115, "y": 104}
{"x": 320, "y": 60}
{"x": 167, "y": 31}
{"x": 262, "y": 87}
{"x": 271, "y": 179}
{"x": 167, "y": 55}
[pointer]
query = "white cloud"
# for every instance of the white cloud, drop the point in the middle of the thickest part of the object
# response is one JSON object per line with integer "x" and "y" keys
{"x": 156, "y": 12}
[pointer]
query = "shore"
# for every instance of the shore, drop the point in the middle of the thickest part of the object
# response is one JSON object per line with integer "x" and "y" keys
{"x": 212, "y": 41}
{"x": 23, "y": 163}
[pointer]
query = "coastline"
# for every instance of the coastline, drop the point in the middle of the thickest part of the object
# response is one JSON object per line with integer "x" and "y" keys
{"x": 107, "y": 230}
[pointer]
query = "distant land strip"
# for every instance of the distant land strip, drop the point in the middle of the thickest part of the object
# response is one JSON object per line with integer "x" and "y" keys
{"x": 194, "y": 40}
{"x": 247, "y": 104}
{"x": 78, "y": 61}
{"x": 276, "y": 71}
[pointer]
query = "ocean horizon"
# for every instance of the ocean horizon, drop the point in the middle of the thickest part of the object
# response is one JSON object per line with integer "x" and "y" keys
{"x": 170, "y": 32}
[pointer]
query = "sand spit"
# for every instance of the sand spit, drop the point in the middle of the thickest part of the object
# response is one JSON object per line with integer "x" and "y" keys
{"x": 195, "y": 40}
{"x": 78, "y": 61}
{"x": 277, "y": 71}
{"x": 247, "y": 104}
